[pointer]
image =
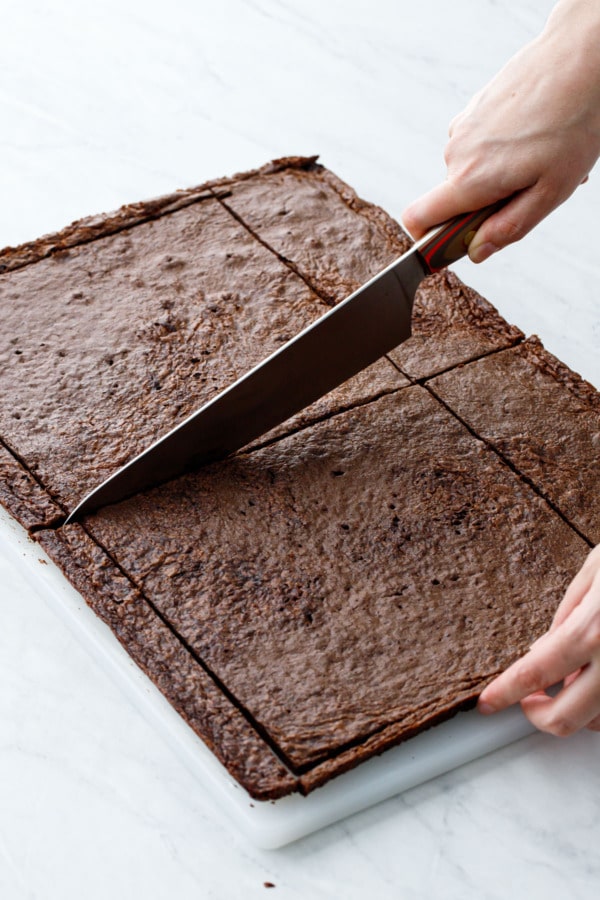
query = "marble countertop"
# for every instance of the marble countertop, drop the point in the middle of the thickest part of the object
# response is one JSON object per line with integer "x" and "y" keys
{"x": 125, "y": 99}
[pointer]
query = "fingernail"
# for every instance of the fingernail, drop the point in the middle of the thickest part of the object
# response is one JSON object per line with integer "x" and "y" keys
{"x": 480, "y": 252}
{"x": 485, "y": 708}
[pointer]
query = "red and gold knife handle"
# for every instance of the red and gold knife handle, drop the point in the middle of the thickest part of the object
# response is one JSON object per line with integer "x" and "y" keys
{"x": 450, "y": 241}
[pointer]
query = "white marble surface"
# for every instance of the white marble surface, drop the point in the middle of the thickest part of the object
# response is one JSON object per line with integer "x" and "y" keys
{"x": 116, "y": 101}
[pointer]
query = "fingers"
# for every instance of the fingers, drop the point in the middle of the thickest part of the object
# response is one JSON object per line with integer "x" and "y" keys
{"x": 444, "y": 202}
{"x": 549, "y": 661}
{"x": 574, "y": 707}
{"x": 431, "y": 209}
{"x": 520, "y": 214}
{"x": 516, "y": 219}
{"x": 529, "y": 205}
{"x": 569, "y": 653}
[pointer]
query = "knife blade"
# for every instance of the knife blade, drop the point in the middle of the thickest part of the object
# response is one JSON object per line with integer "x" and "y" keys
{"x": 351, "y": 336}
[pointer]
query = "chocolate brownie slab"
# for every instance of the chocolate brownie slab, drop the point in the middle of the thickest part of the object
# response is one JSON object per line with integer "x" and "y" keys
{"x": 307, "y": 604}
{"x": 371, "y": 572}
{"x": 540, "y": 416}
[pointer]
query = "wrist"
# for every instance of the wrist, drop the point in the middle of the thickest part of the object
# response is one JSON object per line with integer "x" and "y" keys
{"x": 570, "y": 46}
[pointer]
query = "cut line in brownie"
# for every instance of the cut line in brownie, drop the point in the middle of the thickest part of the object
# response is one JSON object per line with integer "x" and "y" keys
{"x": 371, "y": 572}
{"x": 542, "y": 417}
{"x": 108, "y": 345}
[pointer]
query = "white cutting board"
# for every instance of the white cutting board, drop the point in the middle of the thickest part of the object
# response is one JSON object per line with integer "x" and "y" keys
{"x": 273, "y": 823}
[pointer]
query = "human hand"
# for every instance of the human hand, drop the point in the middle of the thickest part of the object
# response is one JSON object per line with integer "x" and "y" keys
{"x": 568, "y": 652}
{"x": 532, "y": 135}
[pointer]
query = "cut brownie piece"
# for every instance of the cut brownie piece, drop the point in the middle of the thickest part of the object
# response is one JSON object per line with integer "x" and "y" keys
{"x": 171, "y": 666}
{"x": 337, "y": 241}
{"x": 108, "y": 344}
{"x": 371, "y": 572}
{"x": 542, "y": 417}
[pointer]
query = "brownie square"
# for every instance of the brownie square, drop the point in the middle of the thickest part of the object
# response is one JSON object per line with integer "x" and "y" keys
{"x": 542, "y": 417}
{"x": 315, "y": 223}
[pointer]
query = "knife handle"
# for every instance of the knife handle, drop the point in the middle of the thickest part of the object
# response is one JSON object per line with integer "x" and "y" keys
{"x": 450, "y": 241}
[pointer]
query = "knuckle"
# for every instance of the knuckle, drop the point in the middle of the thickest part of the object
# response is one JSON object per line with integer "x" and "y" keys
{"x": 560, "y": 726}
{"x": 456, "y": 160}
{"x": 556, "y": 194}
{"x": 464, "y": 172}
{"x": 454, "y": 124}
{"x": 510, "y": 231}
{"x": 582, "y": 627}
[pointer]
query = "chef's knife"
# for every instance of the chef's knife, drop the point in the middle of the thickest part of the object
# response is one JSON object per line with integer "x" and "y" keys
{"x": 355, "y": 333}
